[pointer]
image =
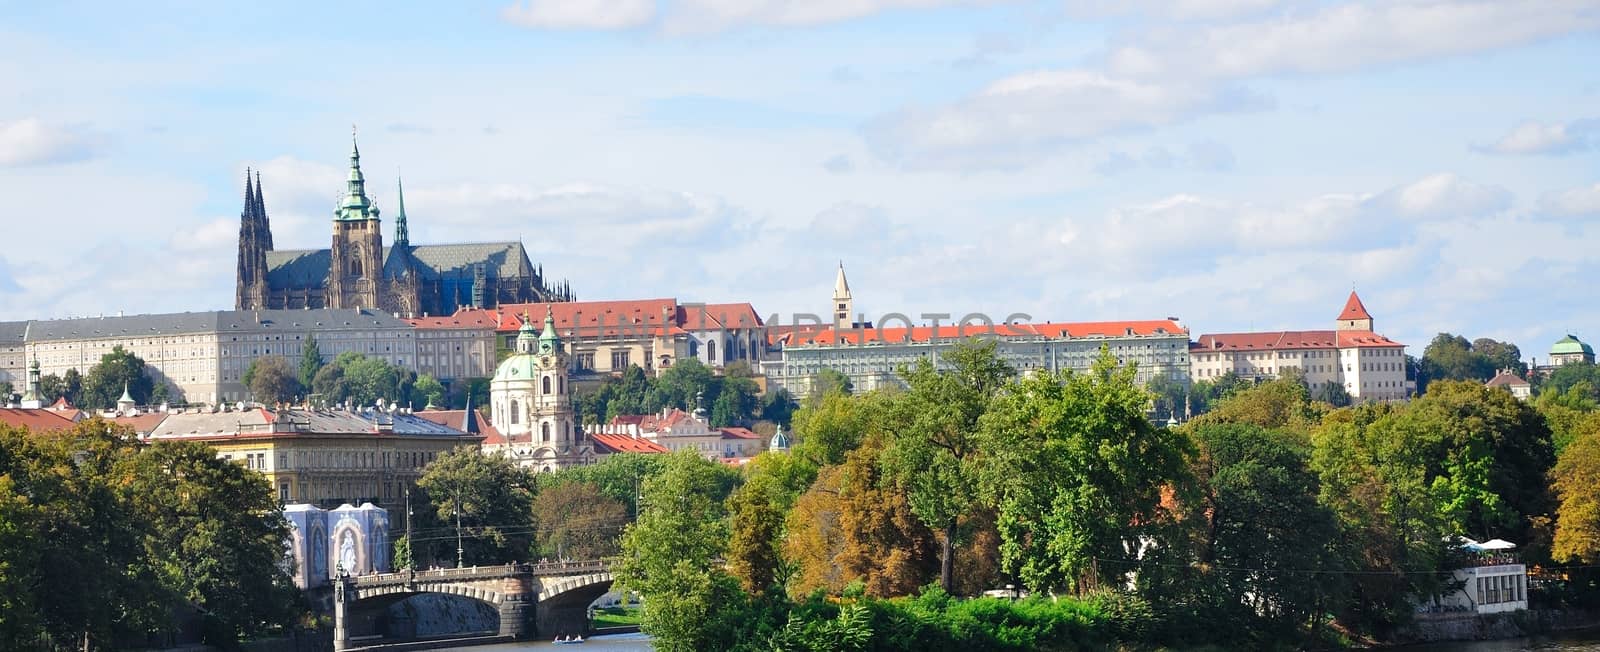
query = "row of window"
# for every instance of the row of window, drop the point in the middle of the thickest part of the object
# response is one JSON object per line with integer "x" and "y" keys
{"x": 1502, "y": 588}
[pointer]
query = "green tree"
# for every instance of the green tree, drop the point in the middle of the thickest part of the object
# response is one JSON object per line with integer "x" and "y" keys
{"x": 680, "y": 384}
{"x": 1278, "y": 403}
{"x": 226, "y": 562}
{"x": 116, "y": 371}
{"x": 310, "y": 361}
{"x": 1576, "y": 483}
{"x": 778, "y": 406}
{"x": 1259, "y": 509}
{"x": 620, "y": 477}
{"x": 52, "y": 387}
{"x": 477, "y": 389}
{"x": 1076, "y": 471}
{"x": 330, "y": 384}
{"x": 671, "y": 557}
{"x": 1500, "y": 355}
{"x": 1578, "y": 383}
{"x": 428, "y": 391}
{"x": 736, "y": 403}
{"x": 1332, "y": 393}
{"x": 71, "y": 387}
{"x": 829, "y": 381}
{"x": 933, "y": 438}
{"x": 1450, "y": 357}
{"x": 576, "y": 521}
{"x": 494, "y": 499}
{"x": 271, "y": 380}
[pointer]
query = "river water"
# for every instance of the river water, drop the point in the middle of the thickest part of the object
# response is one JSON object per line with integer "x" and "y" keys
{"x": 608, "y": 643}
{"x": 1585, "y": 642}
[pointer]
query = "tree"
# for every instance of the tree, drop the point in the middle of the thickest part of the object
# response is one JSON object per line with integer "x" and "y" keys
{"x": 330, "y": 384}
{"x": 117, "y": 371}
{"x": 1450, "y": 357}
{"x": 670, "y": 556}
{"x": 828, "y": 428}
{"x": 1169, "y": 397}
{"x": 227, "y": 562}
{"x": 576, "y": 521}
{"x": 778, "y": 406}
{"x": 619, "y": 477}
{"x": 1579, "y": 381}
{"x": 1076, "y": 472}
{"x": 1277, "y": 403}
{"x": 52, "y": 387}
{"x": 1576, "y": 483}
{"x": 271, "y": 380}
{"x": 476, "y": 389}
{"x": 494, "y": 498}
{"x": 682, "y": 384}
{"x": 428, "y": 391}
{"x": 736, "y": 403}
{"x": 933, "y": 438}
{"x": 1332, "y": 393}
{"x": 1501, "y": 355}
{"x": 310, "y": 361}
{"x": 828, "y": 381}
{"x": 71, "y": 387}
{"x": 1259, "y": 511}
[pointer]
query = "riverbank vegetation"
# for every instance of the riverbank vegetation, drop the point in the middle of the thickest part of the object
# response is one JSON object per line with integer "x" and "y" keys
{"x": 1275, "y": 520}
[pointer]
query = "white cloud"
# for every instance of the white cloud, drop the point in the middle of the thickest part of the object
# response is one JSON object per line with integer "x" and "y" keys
{"x": 581, "y": 14}
{"x": 1544, "y": 138}
{"x": 1575, "y": 202}
{"x": 1174, "y": 9}
{"x": 1342, "y": 38}
{"x": 30, "y": 141}
{"x": 702, "y": 16}
{"x": 1205, "y": 156}
{"x": 1443, "y": 196}
{"x": 1019, "y": 119}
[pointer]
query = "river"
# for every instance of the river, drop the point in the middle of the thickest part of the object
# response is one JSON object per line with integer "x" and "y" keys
{"x": 608, "y": 643}
{"x": 1585, "y": 642}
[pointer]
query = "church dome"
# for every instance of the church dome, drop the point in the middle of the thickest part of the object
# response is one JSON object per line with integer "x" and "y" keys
{"x": 780, "y": 440}
{"x": 1570, "y": 345}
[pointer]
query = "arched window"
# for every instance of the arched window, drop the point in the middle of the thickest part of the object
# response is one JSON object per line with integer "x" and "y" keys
{"x": 514, "y": 412}
{"x": 711, "y": 351}
{"x": 545, "y": 386}
{"x": 544, "y": 432}
{"x": 561, "y": 385}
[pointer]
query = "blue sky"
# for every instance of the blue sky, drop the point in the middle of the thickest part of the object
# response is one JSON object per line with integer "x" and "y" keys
{"x": 1240, "y": 164}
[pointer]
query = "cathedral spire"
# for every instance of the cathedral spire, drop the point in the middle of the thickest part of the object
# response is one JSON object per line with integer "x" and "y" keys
{"x": 402, "y": 235}
{"x": 355, "y": 205}
{"x": 261, "y": 214}
{"x": 249, "y": 197}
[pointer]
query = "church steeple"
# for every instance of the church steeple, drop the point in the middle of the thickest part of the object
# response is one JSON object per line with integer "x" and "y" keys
{"x": 255, "y": 240}
{"x": 402, "y": 235}
{"x": 261, "y": 213}
{"x": 356, "y": 205}
{"x": 843, "y": 304}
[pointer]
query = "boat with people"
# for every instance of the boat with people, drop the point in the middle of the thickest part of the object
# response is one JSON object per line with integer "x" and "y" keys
{"x": 568, "y": 640}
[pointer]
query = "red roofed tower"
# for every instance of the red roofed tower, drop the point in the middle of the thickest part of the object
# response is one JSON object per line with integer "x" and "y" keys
{"x": 1354, "y": 317}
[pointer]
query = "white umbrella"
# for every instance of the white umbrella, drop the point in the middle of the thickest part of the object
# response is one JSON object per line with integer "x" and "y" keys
{"x": 1498, "y": 544}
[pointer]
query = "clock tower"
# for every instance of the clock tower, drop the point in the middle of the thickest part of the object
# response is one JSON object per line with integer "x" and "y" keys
{"x": 532, "y": 401}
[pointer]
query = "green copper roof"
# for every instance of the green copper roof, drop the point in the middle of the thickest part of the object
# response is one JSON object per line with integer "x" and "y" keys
{"x": 356, "y": 205}
{"x": 549, "y": 342}
{"x": 126, "y": 398}
{"x": 1570, "y": 345}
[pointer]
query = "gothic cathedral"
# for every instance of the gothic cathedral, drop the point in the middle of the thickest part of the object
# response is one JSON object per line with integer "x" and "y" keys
{"x": 358, "y": 271}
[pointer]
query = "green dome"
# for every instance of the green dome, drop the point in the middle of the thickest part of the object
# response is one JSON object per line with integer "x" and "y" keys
{"x": 1570, "y": 345}
{"x": 522, "y": 366}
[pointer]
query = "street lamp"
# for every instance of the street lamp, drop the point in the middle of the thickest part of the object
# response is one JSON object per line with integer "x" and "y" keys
{"x": 460, "y": 552}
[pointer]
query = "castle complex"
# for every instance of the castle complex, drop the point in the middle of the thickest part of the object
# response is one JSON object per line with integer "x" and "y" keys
{"x": 358, "y": 271}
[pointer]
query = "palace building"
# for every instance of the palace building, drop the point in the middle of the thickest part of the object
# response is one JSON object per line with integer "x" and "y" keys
{"x": 359, "y": 271}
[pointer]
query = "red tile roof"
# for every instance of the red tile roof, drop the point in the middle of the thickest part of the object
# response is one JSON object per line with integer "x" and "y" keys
{"x": 464, "y": 318}
{"x": 738, "y": 433}
{"x": 143, "y": 424}
{"x": 652, "y": 422}
{"x": 35, "y": 419}
{"x": 1276, "y": 340}
{"x": 718, "y": 316}
{"x": 791, "y": 334}
{"x": 457, "y": 419}
{"x": 1353, "y": 308}
{"x": 1506, "y": 379}
{"x": 596, "y": 318}
{"x": 831, "y": 336}
{"x": 624, "y": 444}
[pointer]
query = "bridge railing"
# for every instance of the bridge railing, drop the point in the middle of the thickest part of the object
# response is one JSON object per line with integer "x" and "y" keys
{"x": 485, "y": 572}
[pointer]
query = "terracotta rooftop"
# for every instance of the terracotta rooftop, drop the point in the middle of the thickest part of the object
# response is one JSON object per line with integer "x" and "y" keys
{"x": 1506, "y": 379}
{"x": 464, "y": 318}
{"x": 738, "y": 433}
{"x": 832, "y": 337}
{"x": 35, "y": 419}
{"x": 1280, "y": 340}
{"x": 717, "y": 316}
{"x": 579, "y": 319}
{"x": 624, "y": 444}
{"x": 1353, "y": 308}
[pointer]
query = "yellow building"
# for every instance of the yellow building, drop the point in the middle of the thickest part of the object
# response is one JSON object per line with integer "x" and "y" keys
{"x": 324, "y": 457}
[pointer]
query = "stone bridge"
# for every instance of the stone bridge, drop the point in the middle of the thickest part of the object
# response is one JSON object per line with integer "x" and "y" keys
{"x": 531, "y": 599}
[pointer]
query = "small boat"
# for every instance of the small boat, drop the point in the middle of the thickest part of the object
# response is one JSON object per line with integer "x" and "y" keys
{"x": 568, "y": 641}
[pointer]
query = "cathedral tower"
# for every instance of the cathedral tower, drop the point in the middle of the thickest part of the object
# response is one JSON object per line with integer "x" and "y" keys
{"x": 843, "y": 305}
{"x": 255, "y": 240}
{"x": 355, "y": 274}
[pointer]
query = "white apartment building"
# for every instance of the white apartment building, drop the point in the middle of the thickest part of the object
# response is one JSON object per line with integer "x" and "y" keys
{"x": 1369, "y": 366}
{"x": 871, "y": 357}
{"x": 204, "y": 354}
{"x": 457, "y": 346}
